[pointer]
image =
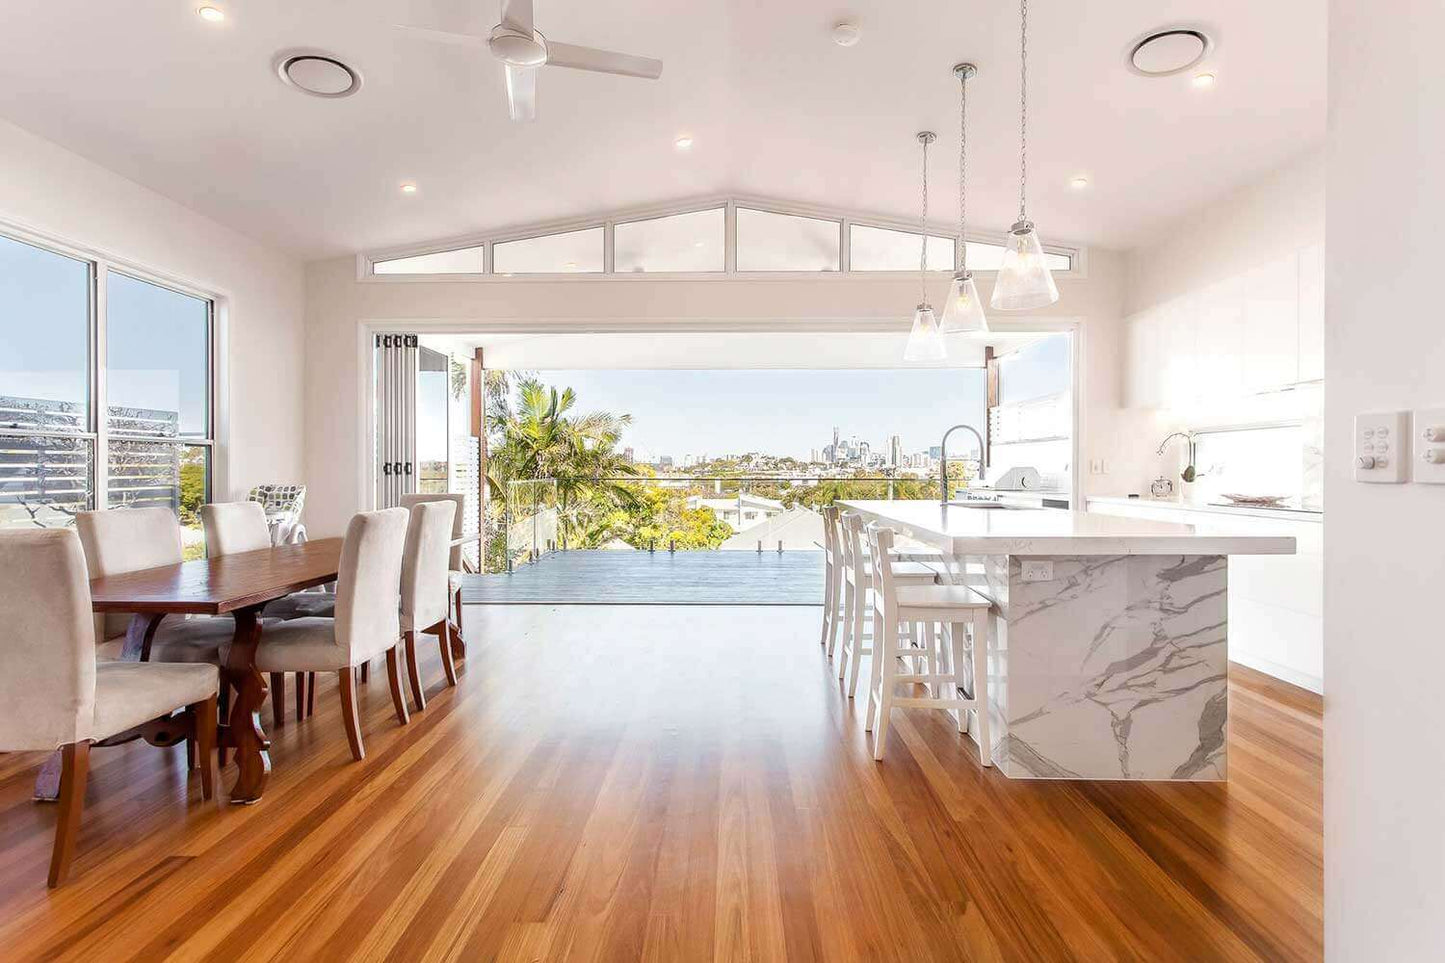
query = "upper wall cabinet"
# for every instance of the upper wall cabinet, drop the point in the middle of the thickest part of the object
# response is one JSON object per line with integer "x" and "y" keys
{"x": 1259, "y": 331}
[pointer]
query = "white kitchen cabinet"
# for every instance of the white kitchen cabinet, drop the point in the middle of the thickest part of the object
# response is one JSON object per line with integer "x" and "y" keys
{"x": 1258, "y": 331}
{"x": 1220, "y": 338}
{"x": 1271, "y": 324}
{"x": 1312, "y": 313}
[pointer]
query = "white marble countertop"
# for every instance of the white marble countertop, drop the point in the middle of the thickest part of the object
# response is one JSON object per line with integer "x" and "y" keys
{"x": 962, "y": 530}
{"x": 1205, "y": 508}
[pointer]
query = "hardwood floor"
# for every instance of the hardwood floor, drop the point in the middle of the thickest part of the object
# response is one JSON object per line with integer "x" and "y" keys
{"x": 668, "y": 784}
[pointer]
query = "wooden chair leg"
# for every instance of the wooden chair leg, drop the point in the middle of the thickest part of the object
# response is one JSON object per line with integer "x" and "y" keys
{"x": 347, "y": 678}
{"x": 203, "y": 718}
{"x": 459, "y": 644}
{"x": 310, "y": 693}
{"x": 393, "y": 676}
{"x": 74, "y": 767}
{"x": 278, "y": 697}
{"x": 300, "y": 696}
{"x": 413, "y": 673}
{"x": 449, "y": 665}
{"x": 223, "y": 704}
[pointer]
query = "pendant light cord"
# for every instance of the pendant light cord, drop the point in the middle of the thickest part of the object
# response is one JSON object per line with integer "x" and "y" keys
{"x": 923, "y": 227}
{"x": 1023, "y": 103}
{"x": 962, "y": 174}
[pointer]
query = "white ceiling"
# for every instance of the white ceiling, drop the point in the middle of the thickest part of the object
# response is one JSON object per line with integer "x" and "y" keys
{"x": 193, "y": 110}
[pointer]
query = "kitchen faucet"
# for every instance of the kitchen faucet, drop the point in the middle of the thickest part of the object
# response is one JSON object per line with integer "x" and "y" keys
{"x": 943, "y": 459}
{"x": 1189, "y": 472}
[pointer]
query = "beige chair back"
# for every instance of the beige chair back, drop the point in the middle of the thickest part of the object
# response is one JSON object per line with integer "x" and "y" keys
{"x": 47, "y": 643}
{"x": 233, "y": 527}
{"x": 458, "y": 520}
{"x": 368, "y": 584}
{"x": 425, "y": 587}
{"x": 122, "y": 540}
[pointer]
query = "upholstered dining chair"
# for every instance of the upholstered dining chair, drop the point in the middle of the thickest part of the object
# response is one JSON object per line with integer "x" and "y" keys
{"x": 367, "y": 622}
{"x": 122, "y": 540}
{"x": 457, "y": 565}
{"x": 235, "y": 527}
{"x": 426, "y": 587}
{"x": 55, "y": 695}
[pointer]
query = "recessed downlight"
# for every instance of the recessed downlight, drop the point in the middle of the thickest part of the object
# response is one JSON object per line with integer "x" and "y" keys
{"x": 1079, "y": 183}
{"x": 683, "y": 143}
{"x": 211, "y": 13}
{"x": 408, "y": 187}
{"x": 846, "y": 33}
{"x": 319, "y": 75}
{"x": 1203, "y": 81}
{"x": 1163, "y": 53}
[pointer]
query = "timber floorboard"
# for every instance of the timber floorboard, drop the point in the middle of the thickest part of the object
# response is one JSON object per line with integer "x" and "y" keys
{"x": 668, "y": 784}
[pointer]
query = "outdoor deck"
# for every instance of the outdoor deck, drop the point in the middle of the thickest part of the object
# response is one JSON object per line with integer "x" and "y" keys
{"x": 599, "y": 577}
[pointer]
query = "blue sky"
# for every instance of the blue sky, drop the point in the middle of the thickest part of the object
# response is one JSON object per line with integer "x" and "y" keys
{"x": 157, "y": 337}
{"x": 781, "y": 412}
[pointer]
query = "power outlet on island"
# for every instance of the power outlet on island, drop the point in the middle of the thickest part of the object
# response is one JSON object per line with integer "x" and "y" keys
{"x": 1036, "y": 570}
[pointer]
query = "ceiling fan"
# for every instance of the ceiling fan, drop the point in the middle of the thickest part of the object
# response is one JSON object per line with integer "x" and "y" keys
{"x": 522, "y": 49}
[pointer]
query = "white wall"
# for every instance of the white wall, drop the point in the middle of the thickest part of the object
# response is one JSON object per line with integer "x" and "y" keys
{"x": 1384, "y": 561}
{"x": 338, "y": 305}
{"x": 51, "y": 191}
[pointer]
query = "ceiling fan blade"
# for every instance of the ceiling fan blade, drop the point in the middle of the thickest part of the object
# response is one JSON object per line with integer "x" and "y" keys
{"x": 602, "y": 61}
{"x": 517, "y": 14}
{"x": 522, "y": 92}
{"x": 442, "y": 36}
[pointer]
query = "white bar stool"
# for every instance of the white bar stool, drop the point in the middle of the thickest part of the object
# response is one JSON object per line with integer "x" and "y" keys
{"x": 857, "y": 582}
{"x": 832, "y": 579}
{"x": 898, "y": 604}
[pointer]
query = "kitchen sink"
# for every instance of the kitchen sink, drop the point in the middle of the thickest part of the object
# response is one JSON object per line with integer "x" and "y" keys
{"x": 995, "y": 506}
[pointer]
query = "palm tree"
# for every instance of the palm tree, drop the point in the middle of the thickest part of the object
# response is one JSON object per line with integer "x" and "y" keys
{"x": 541, "y": 441}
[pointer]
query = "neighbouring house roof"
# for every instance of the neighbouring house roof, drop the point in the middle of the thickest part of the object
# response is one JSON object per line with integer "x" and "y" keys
{"x": 731, "y": 504}
{"x": 799, "y": 529}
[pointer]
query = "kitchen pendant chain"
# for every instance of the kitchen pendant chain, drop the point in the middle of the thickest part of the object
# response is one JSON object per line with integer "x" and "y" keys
{"x": 923, "y": 224}
{"x": 962, "y": 173}
{"x": 1023, "y": 103}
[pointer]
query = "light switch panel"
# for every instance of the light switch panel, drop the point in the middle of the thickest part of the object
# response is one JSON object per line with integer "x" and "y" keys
{"x": 1429, "y": 438}
{"x": 1382, "y": 447}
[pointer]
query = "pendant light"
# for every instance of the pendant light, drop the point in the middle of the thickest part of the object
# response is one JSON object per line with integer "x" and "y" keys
{"x": 1023, "y": 280}
{"x": 925, "y": 341}
{"x": 963, "y": 310}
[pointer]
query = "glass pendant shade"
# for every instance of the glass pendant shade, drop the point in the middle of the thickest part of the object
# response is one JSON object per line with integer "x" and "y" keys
{"x": 963, "y": 310}
{"x": 1024, "y": 280}
{"x": 925, "y": 341}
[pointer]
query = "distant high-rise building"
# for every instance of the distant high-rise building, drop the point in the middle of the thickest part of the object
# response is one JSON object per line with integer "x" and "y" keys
{"x": 628, "y": 454}
{"x": 935, "y": 452}
{"x": 834, "y": 458}
{"x": 813, "y": 456}
{"x": 665, "y": 461}
{"x": 895, "y": 451}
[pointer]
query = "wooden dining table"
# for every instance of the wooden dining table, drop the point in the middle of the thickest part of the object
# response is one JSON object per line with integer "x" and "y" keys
{"x": 237, "y": 585}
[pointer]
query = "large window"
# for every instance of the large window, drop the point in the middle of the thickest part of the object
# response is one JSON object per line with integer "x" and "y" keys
{"x": 575, "y": 252}
{"x": 124, "y": 382}
{"x": 883, "y": 249}
{"x": 720, "y": 237}
{"x": 693, "y": 242}
{"x": 786, "y": 242}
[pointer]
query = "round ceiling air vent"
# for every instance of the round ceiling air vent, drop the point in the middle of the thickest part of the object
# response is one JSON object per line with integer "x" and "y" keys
{"x": 319, "y": 75}
{"x": 1167, "y": 52}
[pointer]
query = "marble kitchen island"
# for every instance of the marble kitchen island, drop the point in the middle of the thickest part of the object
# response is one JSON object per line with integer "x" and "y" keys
{"x": 1110, "y": 659}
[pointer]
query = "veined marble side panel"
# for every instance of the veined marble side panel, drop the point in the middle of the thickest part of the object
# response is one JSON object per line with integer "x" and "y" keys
{"x": 1115, "y": 669}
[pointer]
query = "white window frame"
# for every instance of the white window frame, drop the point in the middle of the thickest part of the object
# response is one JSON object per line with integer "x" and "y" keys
{"x": 98, "y": 433}
{"x": 1077, "y": 254}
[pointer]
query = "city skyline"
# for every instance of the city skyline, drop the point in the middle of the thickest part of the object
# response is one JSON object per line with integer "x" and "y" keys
{"x": 790, "y": 412}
